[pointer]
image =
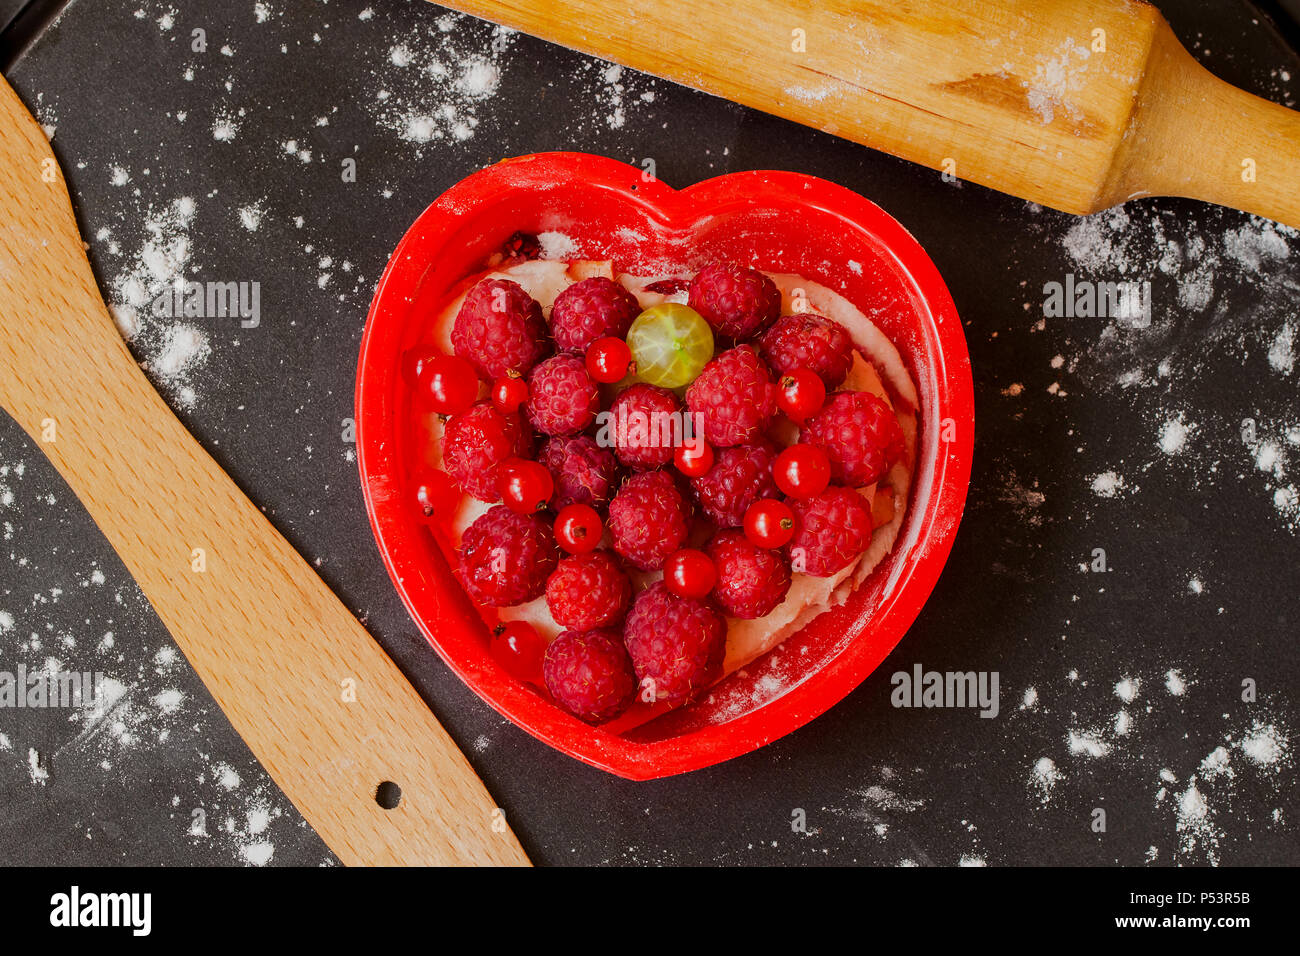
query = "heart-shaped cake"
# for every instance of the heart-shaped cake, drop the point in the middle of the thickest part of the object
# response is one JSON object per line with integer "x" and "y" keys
{"x": 649, "y": 464}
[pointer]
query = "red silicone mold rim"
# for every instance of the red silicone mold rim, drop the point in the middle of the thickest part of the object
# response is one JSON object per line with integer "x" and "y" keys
{"x": 595, "y": 199}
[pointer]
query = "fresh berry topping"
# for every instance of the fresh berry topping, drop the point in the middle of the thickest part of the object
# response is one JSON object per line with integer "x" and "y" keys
{"x": 578, "y": 528}
{"x": 689, "y": 573}
{"x": 802, "y": 471}
{"x": 449, "y": 384}
{"x": 668, "y": 286}
{"x": 735, "y": 395}
{"x": 860, "y": 436}
{"x": 522, "y": 246}
{"x": 808, "y": 341}
{"x": 752, "y": 580}
{"x": 769, "y": 523}
{"x": 583, "y": 471}
{"x": 677, "y": 644}
{"x": 644, "y": 421}
{"x": 609, "y": 360}
{"x": 588, "y": 590}
{"x": 736, "y": 301}
{"x": 525, "y": 486}
{"x": 508, "y": 393}
{"x": 518, "y": 648}
{"x": 670, "y": 344}
{"x": 414, "y": 362}
{"x": 434, "y": 492}
{"x": 693, "y": 458}
{"x": 500, "y": 329}
{"x": 740, "y": 476}
{"x": 505, "y": 558}
{"x": 647, "y": 519}
{"x": 589, "y": 310}
{"x": 830, "y": 530}
{"x": 800, "y": 394}
{"x": 562, "y": 398}
{"x": 590, "y": 674}
{"x": 475, "y": 442}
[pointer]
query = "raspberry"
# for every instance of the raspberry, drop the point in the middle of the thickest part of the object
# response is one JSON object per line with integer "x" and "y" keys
{"x": 562, "y": 398}
{"x": 475, "y": 442}
{"x": 588, "y": 590}
{"x": 505, "y": 557}
{"x": 647, "y": 519}
{"x": 668, "y": 286}
{"x": 830, "y": 530}
{"x": 735, "y": 395}
{"x": 521, "y": 247}
{"x": 860, "y": 436}
{"x": 740, "y": 476}
{"x": 751, "y": 580}
{"x": 583, "y": 471}
{"x": 641, "y": 426}
{"x": 677, "y": 644}
{"x": 736, "y": 301}
{"x": 589, "y": 674}
{"x": 811, "y": 342}
{"x": 500, "y": 329}
{"x": 592, "y": 309}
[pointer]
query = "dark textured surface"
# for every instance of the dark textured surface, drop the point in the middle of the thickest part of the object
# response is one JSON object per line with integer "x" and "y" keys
{"x": 879, "y": 785}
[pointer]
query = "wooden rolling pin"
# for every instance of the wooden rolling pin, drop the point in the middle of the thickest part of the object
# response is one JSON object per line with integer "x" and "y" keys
{"x": 327, "y": 713}
{"x": 1074, "y": 104}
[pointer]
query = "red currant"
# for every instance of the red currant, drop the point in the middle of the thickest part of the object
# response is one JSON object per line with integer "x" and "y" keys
{"x": 518, "y": 648}
{"x": 525, "y": 486}
{"x": 414, "y": 363}
{"x": 449, "y": 383}
{"x": 689, "y": 573}
{"x": 769, "y": 523}
{"x": 578, "y": 528}
{"x": 801, "y": 394}
{"x": 802, "y": 471}
{"x": 694, "y": 462}
{"x": 433, "y": 489}
{"x": 608, "y": 360}
{"x": 508, "y": 393}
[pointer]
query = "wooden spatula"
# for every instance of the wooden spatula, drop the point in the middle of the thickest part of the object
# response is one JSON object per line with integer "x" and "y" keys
{"x": 1074, "y": 104}
{"x": 316, "y": 700}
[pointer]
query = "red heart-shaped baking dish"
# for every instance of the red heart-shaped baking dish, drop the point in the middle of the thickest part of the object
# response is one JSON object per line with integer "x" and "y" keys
{"x": 776, "y": 221}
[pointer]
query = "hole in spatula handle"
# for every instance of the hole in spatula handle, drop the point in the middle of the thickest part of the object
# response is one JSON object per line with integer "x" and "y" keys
{"x": 388, "y": 795}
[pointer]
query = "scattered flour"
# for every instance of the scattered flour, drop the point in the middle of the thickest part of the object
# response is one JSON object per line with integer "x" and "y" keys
{"x": 430, "y": 87}
{"x": 1173, "y": 435}
{"x": 250, "y": 217}
{"x": 1108, "y": 484}
{"x": 1281, "y": 354}
{"x": 1044, "y": 778}
{"x": 1265, "y": 745}
{"x": 1087, "y": 743}
{"x": 1195, "y": 826}
{"x": 556, "y": 245}
{"x": 225, "y": 127}
{"x": 1220, "y": 287}
{"x": 228, "y": 777}
{"x": 257, "y": 854}
{"x": 1056, "y": 79}
{"x": 1127, "y": 689}
{"x": 35, "y": 769}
